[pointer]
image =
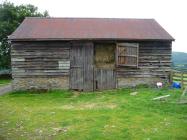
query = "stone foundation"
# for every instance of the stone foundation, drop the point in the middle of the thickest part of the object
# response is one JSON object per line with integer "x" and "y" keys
{"x": 40, "y": 83}
{"x": 63, "y": 83}
{"x": 132, "y": 82}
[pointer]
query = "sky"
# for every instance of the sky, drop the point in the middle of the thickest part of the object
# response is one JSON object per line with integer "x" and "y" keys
{"x": 170, "y": 14}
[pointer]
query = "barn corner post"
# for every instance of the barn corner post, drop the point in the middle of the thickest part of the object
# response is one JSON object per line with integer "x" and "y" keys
{"x": 171, "y": 74}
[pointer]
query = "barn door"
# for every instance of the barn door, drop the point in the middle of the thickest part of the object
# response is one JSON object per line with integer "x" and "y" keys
{"x": 104, "y": 79}
{"x": 81, "y": 66}
{"x": 104, "y": 71}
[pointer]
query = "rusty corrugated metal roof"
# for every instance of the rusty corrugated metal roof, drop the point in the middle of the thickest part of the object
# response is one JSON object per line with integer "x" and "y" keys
{"x": 34, "y": 28}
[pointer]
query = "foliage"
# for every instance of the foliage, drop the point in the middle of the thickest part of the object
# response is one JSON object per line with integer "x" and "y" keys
{"x": 4, "y": 81}
{"x": 10, "y": 18}
{"x": 113, "y": 114}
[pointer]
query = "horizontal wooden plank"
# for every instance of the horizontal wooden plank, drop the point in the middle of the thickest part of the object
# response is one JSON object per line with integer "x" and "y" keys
{"x": 154, "y": 61}
{"x": 23, "y": 45}
{"x": 147, "y": 48}
{"x": 141, "y": 76}
{"x": 152, "y": 67}
{"x": 153, "y": 64}
{"x": 45, "y": 48}
{"x": 40, "y": 68}
{"x": 177, "y": 78}
{"x": 14, "y": 50}
{"x": 158, "y": 54}
{"x": 40, "y": 54}
{"x": 176, "y": 74}
{"x": 35, "y": 63}
{"x": 39, "y": 50}
{"x": 154, "y": 51}
{"x": 35, "y": 46}
{"x": 36, "y": 59}
{"x": 41, "y": 76}
{"x": 142, "y": 70}
{"x": 39, "y": 73}
{"x": 155, "y": 57}
{"x": 155, "y": 44}
{"x": 143, "y": 73}
{"x": 17, "y": 59}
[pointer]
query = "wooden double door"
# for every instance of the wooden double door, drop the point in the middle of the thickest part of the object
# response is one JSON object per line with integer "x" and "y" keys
{"x": 83, "y": 75}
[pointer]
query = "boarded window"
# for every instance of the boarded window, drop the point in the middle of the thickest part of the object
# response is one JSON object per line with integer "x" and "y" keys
{"x": 104, "y": 55}
{"x": 127, "y": 54}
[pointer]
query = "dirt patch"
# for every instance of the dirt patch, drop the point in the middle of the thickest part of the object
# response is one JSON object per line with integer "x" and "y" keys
{"x": 5, "y": 89}
{"x": 88, "y": 106}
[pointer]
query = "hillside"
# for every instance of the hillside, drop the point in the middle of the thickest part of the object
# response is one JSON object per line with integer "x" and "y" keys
{"x": 179, "y": 60}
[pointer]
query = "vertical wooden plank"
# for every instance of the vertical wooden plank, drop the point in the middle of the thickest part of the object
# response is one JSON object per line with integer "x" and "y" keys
{"x": 76, "y": 64}
{"x": 88, "y": 66}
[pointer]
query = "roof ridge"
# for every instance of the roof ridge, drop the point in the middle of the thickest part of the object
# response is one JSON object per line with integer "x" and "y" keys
{"x": 92, "y": 18}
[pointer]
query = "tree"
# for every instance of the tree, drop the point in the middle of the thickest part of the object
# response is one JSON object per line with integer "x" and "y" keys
{"x": 10, "y": 18}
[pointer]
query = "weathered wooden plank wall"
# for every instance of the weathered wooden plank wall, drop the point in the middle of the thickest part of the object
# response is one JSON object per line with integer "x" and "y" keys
{"x": 52, "y": 59}
{"x": 41, "y": 59}
{"x": 154, "y": 61}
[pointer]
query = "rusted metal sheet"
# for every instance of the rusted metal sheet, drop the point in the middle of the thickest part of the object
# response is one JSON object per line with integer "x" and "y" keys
{"x": 34, "y": 28}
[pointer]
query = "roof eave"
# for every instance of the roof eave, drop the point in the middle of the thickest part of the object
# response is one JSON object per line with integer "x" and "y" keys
{"x": 71, "y": 39}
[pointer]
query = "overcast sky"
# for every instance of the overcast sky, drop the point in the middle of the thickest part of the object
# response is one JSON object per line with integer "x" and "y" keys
{"x": 171, "y": 14}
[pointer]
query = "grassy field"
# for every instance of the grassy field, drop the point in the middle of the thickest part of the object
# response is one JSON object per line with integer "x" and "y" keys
{"x": 111, "y": 115}
{"x": 4, "y": 81}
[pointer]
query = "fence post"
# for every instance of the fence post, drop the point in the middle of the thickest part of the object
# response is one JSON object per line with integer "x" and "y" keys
{"x": 182, "y": 82}
{"x": 171, "y": 77}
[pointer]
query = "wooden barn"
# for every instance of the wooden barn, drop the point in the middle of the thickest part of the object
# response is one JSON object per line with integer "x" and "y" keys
{"x": 89, "y": 54}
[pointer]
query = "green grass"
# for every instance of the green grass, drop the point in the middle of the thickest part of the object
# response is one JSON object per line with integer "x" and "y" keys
{"x": 4, "y": 81}
{"x": 110, "y": 115}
